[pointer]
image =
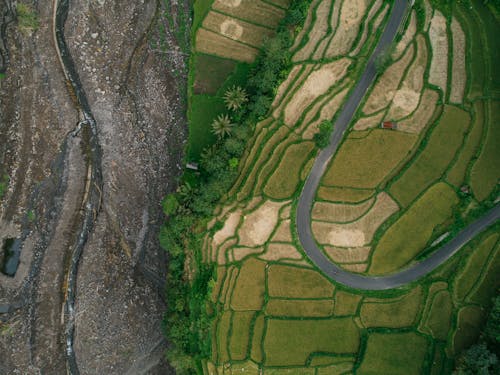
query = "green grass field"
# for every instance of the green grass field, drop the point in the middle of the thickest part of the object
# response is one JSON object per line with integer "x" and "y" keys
{"x": 365, "y": 162}
{"x": 469, "y": 322}
{"x": 407, "y": 237}
{"x": 346, "y": 303}
{"x": 240, "y": 334}
{"x": 299, "y": 308}
{"x": 210, "y": 73}
{"x": 444, "y": 142}
{"x": 390, "y": 353}
{"x": 291, "y": 342}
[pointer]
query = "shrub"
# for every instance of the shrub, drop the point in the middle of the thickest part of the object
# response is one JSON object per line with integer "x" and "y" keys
{"x": 322, "y": 139}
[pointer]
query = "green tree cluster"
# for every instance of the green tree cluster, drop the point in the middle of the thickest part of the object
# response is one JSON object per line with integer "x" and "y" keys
{"x": 322, "y": 138}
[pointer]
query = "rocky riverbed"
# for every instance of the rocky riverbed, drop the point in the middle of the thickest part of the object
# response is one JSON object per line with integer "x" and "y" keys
{"x": 133, "y": 73}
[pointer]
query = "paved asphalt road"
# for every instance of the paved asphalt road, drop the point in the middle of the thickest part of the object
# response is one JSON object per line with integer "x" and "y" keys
{"x": 306, "y": 199}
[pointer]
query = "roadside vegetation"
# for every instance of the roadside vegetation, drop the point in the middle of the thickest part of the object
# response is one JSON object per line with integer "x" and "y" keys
{"x": 243, "y": 297}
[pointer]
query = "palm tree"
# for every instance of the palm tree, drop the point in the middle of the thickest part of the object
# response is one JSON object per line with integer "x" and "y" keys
{"x": 235, "y": 97}
{"x": 222, "y": 126}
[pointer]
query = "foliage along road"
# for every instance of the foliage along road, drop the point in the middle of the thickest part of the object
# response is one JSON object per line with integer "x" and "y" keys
{"x": 303, "y": 217}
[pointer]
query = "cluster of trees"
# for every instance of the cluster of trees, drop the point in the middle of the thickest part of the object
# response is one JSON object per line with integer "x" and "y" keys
{"x": 322, "y": 138}
{"x": 190, "y": 312}
{"x": 481, "y": 358}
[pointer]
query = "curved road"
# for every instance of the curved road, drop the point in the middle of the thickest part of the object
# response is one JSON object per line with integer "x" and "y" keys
{"x": 303, "y": 220}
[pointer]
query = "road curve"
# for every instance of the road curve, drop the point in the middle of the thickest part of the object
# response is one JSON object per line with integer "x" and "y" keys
{"x": 303, "y": 216}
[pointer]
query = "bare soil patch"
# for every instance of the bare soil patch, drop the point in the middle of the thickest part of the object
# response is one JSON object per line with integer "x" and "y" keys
{"x": 277, "y": 251}
{"x": 360, "y": 232}
{"x": 419, "y": 120}
{"x": 428, "y": 14}
{"x": 229, "y": 228}
{"x": 258, "y": 226}
{"x": 351, "y": 15}
{"x": 339, "y": 212}
{"x": 360, "y": 267}
{"x": 221, "y": 252}
{"x": 367, "y": 28}
{"x": 320, "y": 51}
{"x": 285, "y": 85}
{"x": 255, "y": 11}
{"x": 236, "y": 29}
{"x": 369, "y": 122}
{"x": 348, "y": 255}
{"x": 438, "y": 73}
{"x": 284, "y": 232}
{"x": 316, "y": 84}
{"x": 459, "y": 74}
{"x": 319, "y": 30}
{"x": 238, "y": 253}
{"x": 215, "y": 44}
{"x": 385, "y": 89}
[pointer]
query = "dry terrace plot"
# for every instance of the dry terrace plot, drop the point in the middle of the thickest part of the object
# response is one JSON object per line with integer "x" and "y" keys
{"x": 407, "y": 97}
{"x": 316, "y": 84}
{"x": 365, "y": 162}
{"x": 280, "y": 251}
{"x": 369, "y": 122}
{"x": 357, "y": 233}
{"x": 295, "y": 282}
{"x": 423, "y": 114}
{"x": 349, "y": 254}
{"x": 385, "y": 88}
{"x": 300, "y": 308}
{"x": 438, "y": 74}
{"x": 343, "y": 194}
{"x": 410, "y": 233}
{"x": 248, "y": 293}
{"x": 370, "y": 24}
{"x": 258, "y": 225}
{"x": 216, "y": 44}
{"x": 254, "y": 11}
{"x": 351, "y": 16}
{"x": 238, "y": 30}
{"x": 340, "y": 212}
{"x": 240, "y": 334}
{"x": 407, "y": 37}
{"x": 291, "y": 342}
{"x": 459, "y": 75}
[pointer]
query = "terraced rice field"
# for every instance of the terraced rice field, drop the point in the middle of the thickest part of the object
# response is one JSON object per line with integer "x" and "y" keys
{"x": 385, "y": 197}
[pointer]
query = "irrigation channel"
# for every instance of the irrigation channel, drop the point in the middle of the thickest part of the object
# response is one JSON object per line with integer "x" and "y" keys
{"x": 399, "y": 12}
{"x": 90, "y": 205}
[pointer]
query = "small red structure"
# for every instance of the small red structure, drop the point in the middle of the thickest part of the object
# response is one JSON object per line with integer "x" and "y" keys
{"x": 389, "y": 125}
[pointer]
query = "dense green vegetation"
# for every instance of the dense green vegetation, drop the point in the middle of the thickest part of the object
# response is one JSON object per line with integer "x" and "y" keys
{"x": 4, "y": 184}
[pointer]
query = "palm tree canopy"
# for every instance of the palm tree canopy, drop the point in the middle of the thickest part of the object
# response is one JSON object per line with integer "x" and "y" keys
{"x": 222, "y": 126}
{"x": 235, "y": 97}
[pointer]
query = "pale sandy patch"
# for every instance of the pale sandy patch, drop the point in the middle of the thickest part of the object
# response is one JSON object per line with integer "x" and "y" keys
{"x": 236, "y": 29}
{"x": 459, "y": 75}
{"x": 351, "y": 15}
{"x": 320, "y": 51}
{"x": 438, "y": 73}
{"x": 318, "y": 32}
{"x": 283, "y": 233}
{"x": 258, "y": 225}
{"x": 255, "y": 11}
{"x": 285, "y": 212}
{"x": 251, "y": 204}
{"x": 428, "y": 14}
{"x": 311, "y": 114}
{"x": 421, "y": 117}
{"x": 212, "y": 43}
{"x": 316, "y": 84}
{"x": 327, "y": 113}
{"x": 385, "y": 89}
{"x": 222, "y": 250}
{"x": 229, "y": 228}
{"x": 369, "y": 28}
{"x": 360, "y": 232}
{"x": 348, "y": 255}
{"x": 307, "y": 23}
{"x": 339, "y": 212}
{"x": 286, "y": 83}
{"x": 369, "y": 122}
{"x": 407, "y": 97}
{"x": 292, "y": 91}
{"x": 277, "y": 251}
{"x": 360, "y": 267}
{"x": 407, "y": 37}
{"x": 238, "y": 253}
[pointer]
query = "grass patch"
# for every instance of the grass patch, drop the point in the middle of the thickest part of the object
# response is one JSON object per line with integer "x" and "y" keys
{"x": 203, "y": 110}
{"x": 469, "y": 321}
{"x": 210, "y": 72}
{"x": 390, "y": 353}
{"x": 397, "y": 314}
{"x": 291, "y": 342}
{"x": 339, "y": 368}
{"x": 289, "y": 371}
{"x": 439, "y": 151}
{"x": 299, "y": 308}
{"x": 485, "y": 172}
{"x": 258, "y": 332}
{"x": 490, "y": 283}
{"x": 407, "y": 237}
{"x": 4, "y": 185}
{"x": 222, "y": 335}
{"x": 240, "y": 335}
{"x": 294, "y": 282}
{"x": 456, "y": 175}
{"x": 248, "y": 293}
{"x": 469, "y": 274}
{"x": 342, "y": 194}
{"x": 201, "y": 9}
{"x": 365, "y": 162}
{"x": 346, "y": 303}
{"x": 439, "y": 318}
{"x": 283, "y": 182}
